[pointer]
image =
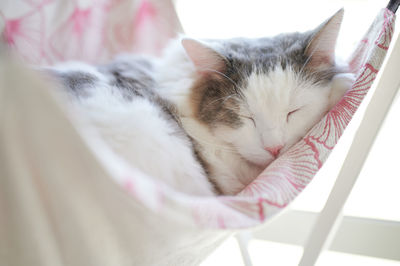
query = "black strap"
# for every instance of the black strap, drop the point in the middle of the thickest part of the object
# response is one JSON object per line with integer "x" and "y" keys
{"x": 393, "y": 5}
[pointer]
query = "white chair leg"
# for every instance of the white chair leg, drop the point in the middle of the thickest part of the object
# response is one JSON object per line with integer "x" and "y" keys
{"x": 374, "y": 116}
{"x": 243, "y": 239}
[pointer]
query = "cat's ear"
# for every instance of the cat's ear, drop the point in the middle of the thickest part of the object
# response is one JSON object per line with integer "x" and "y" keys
{"x": 204, "y": 58}
{"x": 321, "y": 48}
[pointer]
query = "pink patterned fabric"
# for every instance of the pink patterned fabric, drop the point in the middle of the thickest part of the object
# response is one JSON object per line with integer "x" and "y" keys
{"x": 49, "y": 31}
{"x": 97, "y": 31}
{"x": 287, "y": 176}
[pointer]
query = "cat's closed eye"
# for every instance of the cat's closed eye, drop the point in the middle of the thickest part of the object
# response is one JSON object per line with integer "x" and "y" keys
{"x": 249, "y": 118}
{"x": 290, "y": 113}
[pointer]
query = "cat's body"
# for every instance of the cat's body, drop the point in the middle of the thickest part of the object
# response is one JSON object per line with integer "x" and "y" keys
{"x": 206, "y": 118}
{"x": 119, "y": 103}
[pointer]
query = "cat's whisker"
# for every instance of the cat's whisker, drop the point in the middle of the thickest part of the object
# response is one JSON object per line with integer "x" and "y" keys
{"x": 214, "y": 145}
{"x": 222, "y": 74}
{"x": 301, "y": 71}
{"x": 232, "y": 109}
{"x": 236, "y": 86}
{"x": 223, "y": 99}
{"x": 309, "y": 58}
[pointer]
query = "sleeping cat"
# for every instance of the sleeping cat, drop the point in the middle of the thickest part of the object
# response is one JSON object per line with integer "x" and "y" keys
{"x": 208, "y": 116}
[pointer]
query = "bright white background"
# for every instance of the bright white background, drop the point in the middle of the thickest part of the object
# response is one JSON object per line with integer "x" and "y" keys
{"x": 377, "y": 191}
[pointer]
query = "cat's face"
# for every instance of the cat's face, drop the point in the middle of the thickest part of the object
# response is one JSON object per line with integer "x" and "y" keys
{"x": 273, "y": 111}
{"x": 261, "y": 96}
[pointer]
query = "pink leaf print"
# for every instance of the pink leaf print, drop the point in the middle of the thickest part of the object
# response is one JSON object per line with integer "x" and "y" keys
{"x": 286, "y": 176}
{"x": 360, "y": 88}
{"x": 385, "y": 36}
{"x": 146, "y": 30}
{"x": 80, "y": 36}
{"x": 12, "y": 29}
{"x": 214, "y": 213}
{"x": 119, "y": 32}
{"x": 252, "y": 207}
{"x": 25, "y": 35}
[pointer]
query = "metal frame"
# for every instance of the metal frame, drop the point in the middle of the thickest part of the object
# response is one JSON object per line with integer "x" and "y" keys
{"x": 393, "y": 5}
{"x": 355, "y": 235}
{"x": 374, "y": 116}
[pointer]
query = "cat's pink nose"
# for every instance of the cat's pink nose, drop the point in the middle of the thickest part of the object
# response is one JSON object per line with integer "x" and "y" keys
{"x": 274, "y": 150}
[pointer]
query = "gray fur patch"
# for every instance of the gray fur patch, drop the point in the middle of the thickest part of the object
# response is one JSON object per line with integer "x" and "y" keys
{"x": 132, "y": 75}
{"x": 215, "y": 102}
{"x": 264, "y": 54}
{"x": 77, "y": 82}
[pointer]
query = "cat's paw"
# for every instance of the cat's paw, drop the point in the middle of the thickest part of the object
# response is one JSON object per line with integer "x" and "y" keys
{"x": 341, "y": 83}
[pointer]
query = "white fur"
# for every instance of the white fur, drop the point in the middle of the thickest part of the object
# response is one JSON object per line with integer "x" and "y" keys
{"x": 237, "y": 156}
{"x": 137, "y": 131}
{"x": 269, "y": 99}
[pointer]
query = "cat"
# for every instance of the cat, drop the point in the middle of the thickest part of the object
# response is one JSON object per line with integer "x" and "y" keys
{"x": 209, "y": 116}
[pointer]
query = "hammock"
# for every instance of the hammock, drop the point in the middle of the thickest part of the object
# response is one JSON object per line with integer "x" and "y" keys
{"x": 69, "y": 200}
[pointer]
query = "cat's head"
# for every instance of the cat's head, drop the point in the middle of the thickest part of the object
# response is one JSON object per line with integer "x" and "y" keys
{"x": 260, "y": 96}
